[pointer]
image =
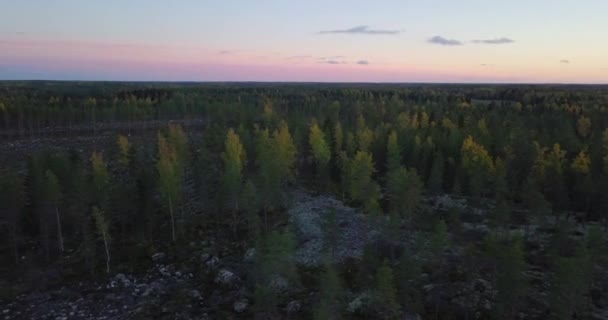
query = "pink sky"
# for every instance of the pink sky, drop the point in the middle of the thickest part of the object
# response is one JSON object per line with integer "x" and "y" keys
{"x": 89, "y": 60}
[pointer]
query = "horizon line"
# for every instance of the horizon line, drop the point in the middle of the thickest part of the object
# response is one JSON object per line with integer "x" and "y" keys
{"x": 310, "y": 82}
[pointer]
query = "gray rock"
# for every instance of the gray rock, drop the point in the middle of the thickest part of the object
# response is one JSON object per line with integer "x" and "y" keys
{"x": 122, "y": 279}
{"x": 360, "y": 303}
{"x": 249, "y": 255}
{"x": 279, "y": 284}
{"x": 164, "y": 271}
{"x": 205, "y": 257}
{"x": 195, "y": 294}
{"x": 159, "y": 256}
{"x": 240, "y": 305}
{"x": 293, "y": 307}
{"x": 226, "y": 278}
{"x": 213, "y": 263}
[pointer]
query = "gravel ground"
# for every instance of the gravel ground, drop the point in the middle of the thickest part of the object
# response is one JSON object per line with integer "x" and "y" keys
{"x": 308, "y": 213}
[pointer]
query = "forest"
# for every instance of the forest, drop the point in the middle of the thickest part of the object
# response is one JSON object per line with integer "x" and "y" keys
{"x": 303, "y": 201}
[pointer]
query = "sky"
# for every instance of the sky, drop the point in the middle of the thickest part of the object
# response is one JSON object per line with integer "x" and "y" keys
{"x": 471, "y": 41}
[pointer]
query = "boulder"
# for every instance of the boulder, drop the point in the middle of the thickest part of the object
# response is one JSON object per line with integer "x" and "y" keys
{"x": 249, "y": 255}
{"x": 226, "y": 278}
{"x": 159, "y": 256}
{"x": 213, "y": 262}
{"x": 293, "y": 307}
{"x": 240, "y": 305}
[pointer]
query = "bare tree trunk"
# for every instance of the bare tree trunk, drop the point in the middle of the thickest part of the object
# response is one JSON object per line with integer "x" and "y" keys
{"x": 105, "y": 243}
{"x": 172, "y": 220}
{"x": 59, "y": 232}
{"x": 15, "y": 245}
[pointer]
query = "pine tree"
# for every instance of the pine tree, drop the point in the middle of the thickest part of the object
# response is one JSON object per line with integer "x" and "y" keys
{"x": 510, "y": 281}
{"x": 386, "y": 293}
{"x": 124, "y": 150}
{"x": 583, "y": 186}
{"x": 500, "y": 180}
{"x": 569, "y": 285}
{"x": 249, "y": 203}
{"x": 605, "y": 151}
{"x": 319, "y": 147}
{"x": 435, "y": 181}
{"x": 393, "y": 153}
{"x": 234, "y": 159}
{"x": 11, "y": 202}
{"x": 178, "y": 140}
{"x": 101, "y": 180}
{"x": 329, "y": 295}
{"x": 267, "y": 163}
{"x": 103, "y": 226}
{"x": 363, "y": 188}
{"x": 53, "y": 196}
{"x": 274, "y": 265}
{"x": 477, "y": 164}
{"x": 405, "y": 192}
{"x": 338, "y": 138}
{"x": 286, "y": 153}
{"x": 365, "y": 136}
{"x": 169, "y": 178}
{"x": 439, "y": 239}
{"x": 583, "y": 126}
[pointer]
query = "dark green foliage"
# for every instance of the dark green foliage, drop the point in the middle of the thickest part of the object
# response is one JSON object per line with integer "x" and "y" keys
{"x": 569, "y": 285}
{"x": 521, "y": 153}
{"x": 330, "y": 295}
{"x": 510, "y": 281}
{"x": 385, "y": 293}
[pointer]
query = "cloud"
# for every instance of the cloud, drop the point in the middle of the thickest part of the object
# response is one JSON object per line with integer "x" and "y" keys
{"x": 502, "y": 40}
{"x": 299, "y": 57}
{"x": 360, "y": 30}
{"x": 564, "y": 61}
{"x": 444, "y": 42}
{"x": 224, "y": 52}
{"x": 363, "y": 62}
{"x": 487, "y": 65}
{"x": 332, "y": 62}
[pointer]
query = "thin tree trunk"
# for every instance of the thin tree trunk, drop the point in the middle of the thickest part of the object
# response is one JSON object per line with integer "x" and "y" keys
{"x": 59, "y": 232}
{"x": 172, "y": 220}
{"x": 15, "y": 245}
{"x": 105, "y": 243}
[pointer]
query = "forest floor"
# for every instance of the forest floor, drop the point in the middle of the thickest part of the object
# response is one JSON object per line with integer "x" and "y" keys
{"x": 210, "y": 283}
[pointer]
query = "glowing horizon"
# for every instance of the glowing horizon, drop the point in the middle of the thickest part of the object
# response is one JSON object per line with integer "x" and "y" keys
{"x": 198, "y": 41}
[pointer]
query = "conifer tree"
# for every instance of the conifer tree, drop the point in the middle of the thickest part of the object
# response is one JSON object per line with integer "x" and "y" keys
{"x": 338, "y": 138}
{"x": 363, "y": 188}
{"x": 386, "y": 293}
{"x": 101, "y": 180}
{"x": 329, "y": 295}
{"x": 510, "y": 281}
{"x": 103, "y": 226}
{"x": 124, "y": 149}
{"x": 435, "y": 181}
{"x": 477, "y": 164}
{"x": 11, "y": 202}
{"x": 53, "y": 196}
{"x": 286, "y": 152}
{"x": 233, "y": 158}
{"x": 393, "y": 153}
{"x": 169, "y": 178}
{"x": 405, "y": 191}
{"x": 320, "y": 148}
{"x": 249, "y": 203}
{"x": 569, "y": 285}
